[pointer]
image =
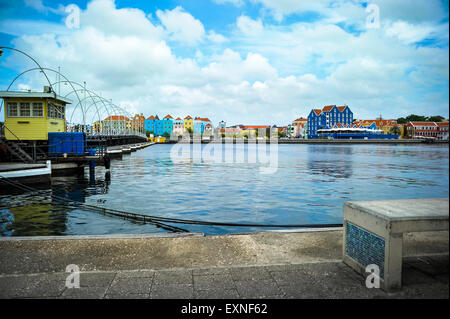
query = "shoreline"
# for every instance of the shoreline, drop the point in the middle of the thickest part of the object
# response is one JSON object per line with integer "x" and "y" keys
{"x": 264, "y": 141}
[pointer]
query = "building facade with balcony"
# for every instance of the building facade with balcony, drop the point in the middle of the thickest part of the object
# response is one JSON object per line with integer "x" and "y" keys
{"x": 433, "y": 130}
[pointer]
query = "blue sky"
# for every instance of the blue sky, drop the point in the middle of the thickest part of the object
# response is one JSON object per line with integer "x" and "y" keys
{"x": 242, "y": 61}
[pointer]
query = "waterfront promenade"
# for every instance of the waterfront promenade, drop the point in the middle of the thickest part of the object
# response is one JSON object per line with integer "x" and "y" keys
{"x": 305, "y": 264}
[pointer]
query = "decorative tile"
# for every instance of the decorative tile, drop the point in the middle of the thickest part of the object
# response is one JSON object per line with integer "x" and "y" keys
{"x": 364, "y": 247}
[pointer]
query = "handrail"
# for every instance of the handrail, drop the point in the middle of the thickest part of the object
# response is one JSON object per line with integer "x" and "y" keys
{"x": 4, "y": 125}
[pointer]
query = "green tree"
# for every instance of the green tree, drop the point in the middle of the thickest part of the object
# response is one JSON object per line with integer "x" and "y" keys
{"x": 436, "y": 118}
{"x": 281, "y": 134}
{"x": 395, "y": 130}
{"x": 148, "y": 133}
{"x": 416, "y": 118}
{"x": 401, "y": 120}
{"x": 166, "y": 135}
{"x": 190, "y": 131}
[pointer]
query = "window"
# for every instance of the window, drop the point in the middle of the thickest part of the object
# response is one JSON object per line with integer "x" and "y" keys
{"x": 25, "y": 109}
{"x": 56, "y": 111}
{"x": 38, "y": 110}
{"x": 12, "y": 109}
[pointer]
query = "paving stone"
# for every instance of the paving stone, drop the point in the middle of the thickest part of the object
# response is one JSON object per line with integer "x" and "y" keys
{"x": 216, "y": 294}
{"x": 172, "y": 291}
{"x": 304, "y": 291}
{"x": 13, "y": 286}
{"x": 425, "y": 291}
{"x": 130, "y": 286}
{"x": 258, "y": 289}
{"x": 412, "y": 276}
{"x": 84, "y": 293}
{"x": 219, "y": 281}
{"x": 127, "y": 296}
{"x": 212, "y": 271}
{"x": 173, "y": 277}
{"x": 433, "y": 266}
{"x": 250, "y": 273}
{"x": 96, "y": 279}
{"x": 136, "y": 274}
{"x": 44, "y": 289}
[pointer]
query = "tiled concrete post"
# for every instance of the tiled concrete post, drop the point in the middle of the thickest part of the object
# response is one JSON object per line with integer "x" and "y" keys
{"x": 373, "y": 233}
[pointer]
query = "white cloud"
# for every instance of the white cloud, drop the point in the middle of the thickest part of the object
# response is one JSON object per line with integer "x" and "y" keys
{"x": 237, "y": 3}
{"x": 411, "y": 33}
{"x": 260, "y": 73}
{"x": 216, "y": 38}
{"x": 248, "y": 26}
{"x": 181, "y": 25}
{"x": 39, "y": 6}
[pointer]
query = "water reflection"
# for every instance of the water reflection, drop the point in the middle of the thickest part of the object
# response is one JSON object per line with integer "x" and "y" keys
{"x": 310, "y": 186}
{"x": 333, "y": 161}
{"x": 45, "y": 211}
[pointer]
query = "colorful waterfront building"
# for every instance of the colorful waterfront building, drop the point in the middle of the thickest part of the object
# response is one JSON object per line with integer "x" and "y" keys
{"x": 167, "y": 125}
{"x": 30, "y": 116}
{"x": 385, "y": 126}
{"x": 435, "y": 130}
{"x": 188, "y": 123}
{"x": 153, "y": 125}
{"x": 178, "y": 127}
{"x": 326, "y": 117}
{"x": 200, "y": 124}
{"x": 97, "y": 127}
{"x": 138, "y": 123}
{"x": 115, "y": 124}
{"x": 299, "y": 127}
{"x": 256, "y": 130}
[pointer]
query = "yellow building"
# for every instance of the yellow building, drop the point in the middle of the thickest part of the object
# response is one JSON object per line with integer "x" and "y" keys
{"x": 97, "y": 127}
{"x": 158, "y": 139}
{"x": 30, "y": 116}
{"x": 188, "y": 123}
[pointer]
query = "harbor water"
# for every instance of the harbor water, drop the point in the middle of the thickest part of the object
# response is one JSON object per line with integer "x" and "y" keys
{"x": 309, "y": 185}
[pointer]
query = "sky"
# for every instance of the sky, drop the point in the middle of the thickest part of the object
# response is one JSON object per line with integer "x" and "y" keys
{"x": 261, "y": 62}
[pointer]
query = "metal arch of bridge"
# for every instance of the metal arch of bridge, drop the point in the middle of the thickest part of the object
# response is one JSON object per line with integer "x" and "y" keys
{"x": 92, "y": 95}
{"x": 114, "y": 106}
{"x": 42, "y": 70}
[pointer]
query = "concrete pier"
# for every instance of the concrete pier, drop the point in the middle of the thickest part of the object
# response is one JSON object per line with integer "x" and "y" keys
{"x": 302, "y": 264}
{"x": 26, "y": 173}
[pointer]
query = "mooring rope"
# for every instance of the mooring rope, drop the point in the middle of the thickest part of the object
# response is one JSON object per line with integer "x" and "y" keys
{"x": 155, "y": 219}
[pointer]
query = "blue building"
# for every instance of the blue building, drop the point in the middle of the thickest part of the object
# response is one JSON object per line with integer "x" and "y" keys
{"x": 200, "y": 124}
{"x": 328, "y": 117}
{"x": 154, "y": 124}
{"x": 167, "y": 125}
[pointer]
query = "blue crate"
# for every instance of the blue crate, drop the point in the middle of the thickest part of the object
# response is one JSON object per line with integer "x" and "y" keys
{"x": 70, "y": 143}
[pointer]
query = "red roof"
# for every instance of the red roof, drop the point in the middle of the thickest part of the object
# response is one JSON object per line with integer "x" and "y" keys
{"x": 188, "y": 118}
{"x": 178, "y": 119}
{"x": 255, "y": 126}
{"x": 168, "y": 117}
{"x": 422, "y": 123}
{"x": 317, "y": 111}
{"x": 301, "y": 119}
{"x": 341, "y": 108}
{"x": 151, "y": 117}
{"x": 117, "y": 118}
{"x": 328, "y": 108}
